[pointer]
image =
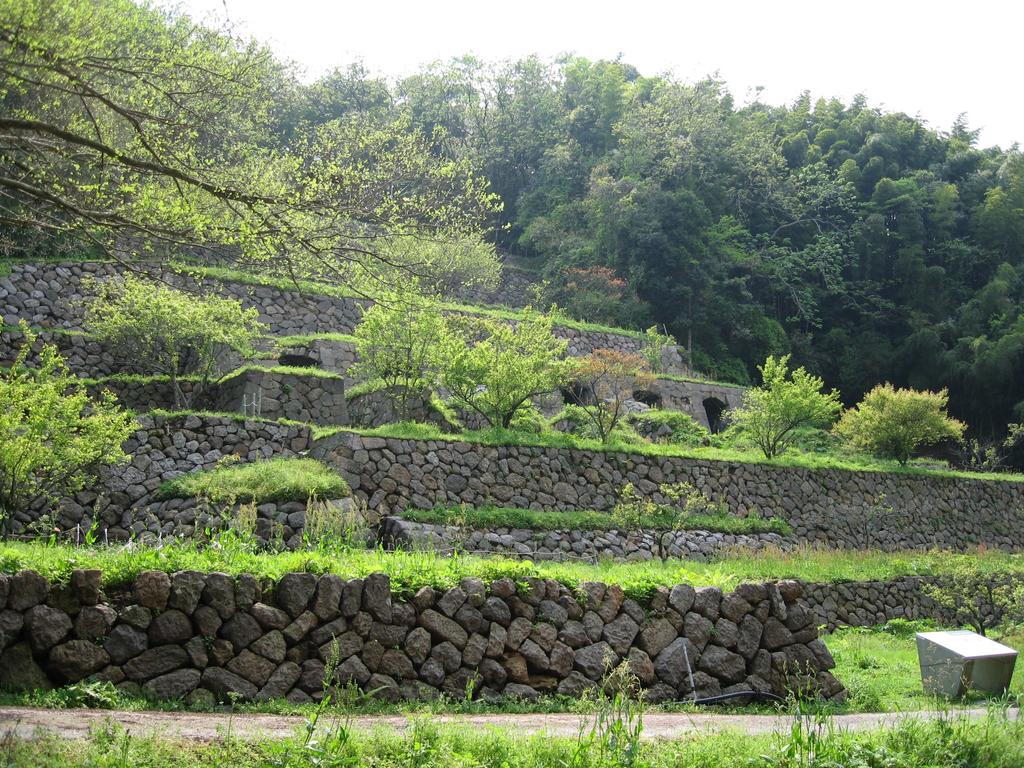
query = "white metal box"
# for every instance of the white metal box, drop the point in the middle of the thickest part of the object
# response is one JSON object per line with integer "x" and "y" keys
{"x": 954, "y": 662}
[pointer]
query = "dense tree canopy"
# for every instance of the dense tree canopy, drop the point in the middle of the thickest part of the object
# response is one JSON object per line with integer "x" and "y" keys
{"x": 866, "y": 244}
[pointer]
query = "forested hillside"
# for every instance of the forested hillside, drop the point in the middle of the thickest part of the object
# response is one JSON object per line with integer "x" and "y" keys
{"x": 869, "y": 245}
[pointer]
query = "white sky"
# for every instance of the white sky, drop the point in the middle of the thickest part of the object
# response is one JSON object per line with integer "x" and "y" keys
{"x": 931, "y": 59}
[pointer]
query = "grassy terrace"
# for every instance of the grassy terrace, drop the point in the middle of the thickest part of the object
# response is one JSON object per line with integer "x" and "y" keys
{"x": 410, "y": 571}
{"x": 503, "y": 517}
{"x": 273, "y": 480}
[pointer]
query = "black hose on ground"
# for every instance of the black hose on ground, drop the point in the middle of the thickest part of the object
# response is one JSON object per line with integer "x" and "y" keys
{"x": 758, "y": 695}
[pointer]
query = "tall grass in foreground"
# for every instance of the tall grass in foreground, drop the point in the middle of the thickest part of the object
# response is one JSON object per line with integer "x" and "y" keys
{"x": 995, "y": 741}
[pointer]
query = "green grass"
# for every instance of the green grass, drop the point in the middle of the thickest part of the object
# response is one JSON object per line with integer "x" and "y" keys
{"x": 995, "y": 741}
{"x": 302, "y": 340}
{"x": 409, "y": 571}
{"x": 273, "y": 480}
{"x": 504, "y": 517}
{"x": 285, "y": 370}
{"x": 700, "y": 380}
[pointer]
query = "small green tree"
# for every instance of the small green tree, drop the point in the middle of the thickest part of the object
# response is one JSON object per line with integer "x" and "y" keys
{"x": 53, "y": 436}
{"x": 398, "y": 340}
{"x": 611, "y": 376}
{"x": 979, "y": 599}
{"x": 494, "y": 367}
{"x": 161, "y": 330}
{"x": 894, "y": 423}
{"x": 655, "y": 344}
{"x": 773, "y": 412}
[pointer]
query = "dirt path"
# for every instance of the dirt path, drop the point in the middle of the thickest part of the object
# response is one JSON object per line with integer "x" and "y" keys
{"x": 26, "y": 722}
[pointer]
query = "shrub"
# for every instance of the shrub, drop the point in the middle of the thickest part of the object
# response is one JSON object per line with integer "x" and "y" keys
{"x": 894, "y": 423}
{"x": 772, "y": 413}
{"x": 53, "y": 436}
{"x": 577, "y": 420}
{"x": 398, "y": 341}
{"x": 161, "y": 330}
{"x": 655, "y": 344}
{"x": 494, "y": 368}
{"x": 274, "y": 480}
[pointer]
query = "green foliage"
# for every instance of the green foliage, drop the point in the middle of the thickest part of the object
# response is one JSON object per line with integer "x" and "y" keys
{"x": 785, "y": 402}
{"x": 161, "y": 330}
{"x": 53, "y": 436}
{"x": 399, "y": 342}
{"x": 273, "y": 480}
{"x": 130, "y": 124}
{"x": 981, "y": 601}
{"x": 410, "y": 571}
{"x": 655, "y": 344}
{"x": 894, "y": 423}
{"x": 495, "y": 368}
{"x": 449, "y": 267}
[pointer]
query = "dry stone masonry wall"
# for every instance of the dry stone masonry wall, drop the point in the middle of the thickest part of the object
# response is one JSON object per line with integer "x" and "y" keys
{"x": 883, "y": 510}
{"x": 163, "y": 448}
{"x": 581, "y": 545}
{"x": 206, "y": 637}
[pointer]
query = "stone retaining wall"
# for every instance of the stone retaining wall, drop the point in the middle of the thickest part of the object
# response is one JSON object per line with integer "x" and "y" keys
{"x": 307, "y": 398}
{"x": 275, "y": 525}
{"x": 869, "y": 603}
{"x": 581, "y": 545}
{"x": 835, "y": 507}
{"x": 163, "y": 448}
{"x": 87, "y": 357}
{"x": 209, "y": 637}
{"x": 52, "y": 295}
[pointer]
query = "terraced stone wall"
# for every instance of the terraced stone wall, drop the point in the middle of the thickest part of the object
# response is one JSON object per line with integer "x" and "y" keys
{"x": 52, "y": 295}
{"x": 571, "y": 544}
{"x": 210, "y": 637}
{"x": 162, "y": 448}
{"x": 886, "y": 510}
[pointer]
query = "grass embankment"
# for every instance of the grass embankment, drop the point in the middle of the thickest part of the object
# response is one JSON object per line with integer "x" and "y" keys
{"x": 993, "y": 742}
{"x": 273, "y": 480}
{"x": 411, "y": 570}
{"x": 504, "y": 517}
